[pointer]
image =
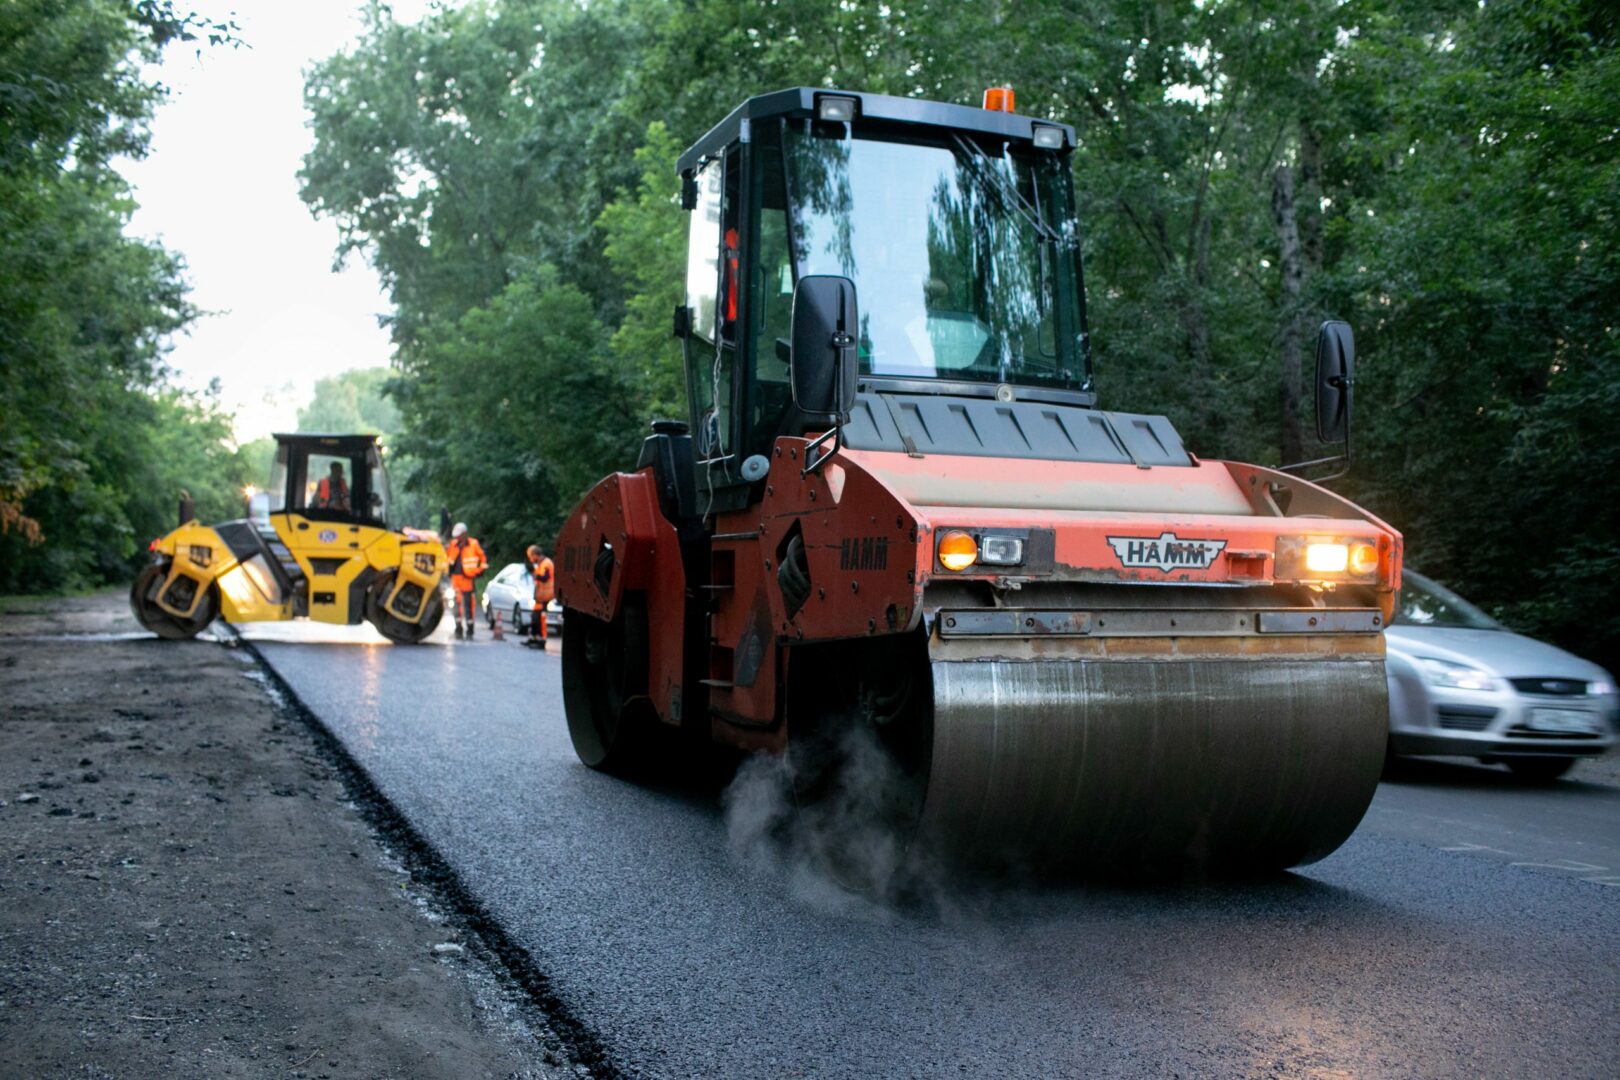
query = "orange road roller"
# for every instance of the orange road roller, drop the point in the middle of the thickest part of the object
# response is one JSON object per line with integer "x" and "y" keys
{"x": 897, "y": 518}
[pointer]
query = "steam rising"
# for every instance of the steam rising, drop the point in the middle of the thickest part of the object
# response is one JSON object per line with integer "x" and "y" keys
{"x": 845, "y": 848}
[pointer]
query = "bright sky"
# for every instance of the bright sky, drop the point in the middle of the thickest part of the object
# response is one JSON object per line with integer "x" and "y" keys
{"x": 220, "y": 187}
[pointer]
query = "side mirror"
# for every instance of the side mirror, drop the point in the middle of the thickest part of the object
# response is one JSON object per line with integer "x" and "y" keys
{"x": 1335, "y": 376}
{"x": 826, "y": 326}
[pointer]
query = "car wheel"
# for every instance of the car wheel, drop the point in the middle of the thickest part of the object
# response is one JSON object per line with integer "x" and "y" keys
{"x": 1540, "y": 770}
{"x": 517, "y": 618}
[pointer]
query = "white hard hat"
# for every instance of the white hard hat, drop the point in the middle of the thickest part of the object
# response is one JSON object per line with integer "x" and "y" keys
{"x": 459, "y": 530}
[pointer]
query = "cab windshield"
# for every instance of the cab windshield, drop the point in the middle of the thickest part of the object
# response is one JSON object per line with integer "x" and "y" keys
{"x": 963, "y": 254}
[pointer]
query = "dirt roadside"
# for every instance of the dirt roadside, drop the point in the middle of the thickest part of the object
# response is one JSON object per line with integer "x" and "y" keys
{"x": 186, "y": 889}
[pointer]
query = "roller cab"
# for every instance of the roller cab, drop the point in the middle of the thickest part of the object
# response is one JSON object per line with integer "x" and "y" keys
{"x": 897, "y": 528}
{"x": 317, "y": 546}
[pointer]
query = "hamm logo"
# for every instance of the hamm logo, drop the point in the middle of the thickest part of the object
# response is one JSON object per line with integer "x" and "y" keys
{"x": 1166, "y": 552}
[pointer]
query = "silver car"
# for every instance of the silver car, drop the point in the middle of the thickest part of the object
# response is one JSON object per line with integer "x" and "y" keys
{"x": 511, "y": 592}
{"x": 1460, "y": 683}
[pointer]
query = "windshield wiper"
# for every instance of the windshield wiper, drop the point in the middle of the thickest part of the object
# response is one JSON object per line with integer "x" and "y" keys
{"x": 983, "y": 165}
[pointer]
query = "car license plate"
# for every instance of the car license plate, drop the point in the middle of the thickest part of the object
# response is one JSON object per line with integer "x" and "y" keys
{"x": 1563, "y": 721}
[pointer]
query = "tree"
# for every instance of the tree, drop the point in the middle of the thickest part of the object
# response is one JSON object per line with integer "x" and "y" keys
{"x": 518, "y": 408}
{"x": 85, "y": 310}
{"x": 645, "y": 234}
{"x": 352, "y": 401}
{"x": 1480, "y": 238}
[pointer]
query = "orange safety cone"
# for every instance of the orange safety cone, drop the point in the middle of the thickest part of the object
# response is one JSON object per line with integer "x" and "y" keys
{"x": 495, "y": 629}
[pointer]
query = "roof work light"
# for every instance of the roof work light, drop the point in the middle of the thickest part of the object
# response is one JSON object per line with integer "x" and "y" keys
{"x": 840, "y": 109}
{"x": 1048, "y": 136}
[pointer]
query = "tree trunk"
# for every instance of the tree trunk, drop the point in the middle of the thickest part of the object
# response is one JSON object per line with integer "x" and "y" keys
{"x": 1195, "y": 323}
{"x": 1283, "y": 212}
{"x": 1310, "y": 194}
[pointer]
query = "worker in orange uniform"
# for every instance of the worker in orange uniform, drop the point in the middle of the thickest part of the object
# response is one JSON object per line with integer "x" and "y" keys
{"x": 466, "y": 562}
{"x": 545, "y": 587}
{"x": 333, "y": 492}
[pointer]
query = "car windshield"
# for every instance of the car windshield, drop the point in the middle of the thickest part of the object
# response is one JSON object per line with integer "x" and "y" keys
{"x": 1428, "y": 603}
{"x": 964, "y": 257}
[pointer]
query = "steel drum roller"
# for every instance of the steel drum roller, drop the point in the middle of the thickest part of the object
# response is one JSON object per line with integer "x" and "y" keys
{"x": 1166, "y": 765}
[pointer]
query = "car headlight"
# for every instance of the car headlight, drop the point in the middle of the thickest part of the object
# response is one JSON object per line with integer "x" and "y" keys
{"x": 1455, "y": 676}
{"x": 1604, "y": 685}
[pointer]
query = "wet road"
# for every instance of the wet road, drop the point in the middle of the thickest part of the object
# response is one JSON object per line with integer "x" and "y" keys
{"x": 1471, "y": 927}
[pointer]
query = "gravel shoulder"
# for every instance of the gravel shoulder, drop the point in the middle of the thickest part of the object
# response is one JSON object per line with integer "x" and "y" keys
{"x": 186, "y": 887}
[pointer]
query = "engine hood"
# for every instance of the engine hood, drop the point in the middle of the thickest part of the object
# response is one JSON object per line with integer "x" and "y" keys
{"x": 1501, "y": 652}
{"x": 1032, "y": 484}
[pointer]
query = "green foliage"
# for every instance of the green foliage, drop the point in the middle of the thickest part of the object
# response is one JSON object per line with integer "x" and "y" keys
{"x": 1485, "y": 247}
{"x": 645, "y": 232}
{"x": 351, "y": 402}
{"x": 258, "y": 457}
{"x": 94, "y": 447}
{"x": 518, "y": 408}
{"x": 1454, "y": 188}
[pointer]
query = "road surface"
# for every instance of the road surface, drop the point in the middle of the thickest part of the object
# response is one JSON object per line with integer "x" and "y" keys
{"x": 1471, "y": 927}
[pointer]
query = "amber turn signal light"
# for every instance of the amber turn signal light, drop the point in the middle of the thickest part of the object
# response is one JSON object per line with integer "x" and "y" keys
{"x": 957, "y": 550}
{"x": 1363, "y": 559}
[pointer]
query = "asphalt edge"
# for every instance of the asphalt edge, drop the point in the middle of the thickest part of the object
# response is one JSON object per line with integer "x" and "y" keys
{"x": 426, "y": 866}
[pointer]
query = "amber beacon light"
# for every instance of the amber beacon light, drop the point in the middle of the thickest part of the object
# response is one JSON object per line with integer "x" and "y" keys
{"x": 999, "y": 99}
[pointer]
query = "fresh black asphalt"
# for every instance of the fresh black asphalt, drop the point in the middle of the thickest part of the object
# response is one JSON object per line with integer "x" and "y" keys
{"x": 1470, "y": 928}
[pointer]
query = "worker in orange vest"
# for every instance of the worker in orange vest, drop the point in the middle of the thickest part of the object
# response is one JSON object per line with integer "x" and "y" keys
{"x": 545, "y": 587}
{"x": 332, "y": 493}
{"x": 466, "y": 563}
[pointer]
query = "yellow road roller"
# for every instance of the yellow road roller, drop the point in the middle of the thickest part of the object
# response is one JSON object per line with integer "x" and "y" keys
{"x": 316, "y": 545}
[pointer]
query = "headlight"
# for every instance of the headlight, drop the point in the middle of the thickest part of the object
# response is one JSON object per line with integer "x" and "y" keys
{"x": 1604, "y": 685}
{"x": 1001, "y": 550}
{"x": 1326, "y": 558}
{"x": 1455, "y": 676}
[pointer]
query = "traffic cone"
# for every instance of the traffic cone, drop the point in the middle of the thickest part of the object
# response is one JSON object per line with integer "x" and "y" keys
{"x": 495, "y": 630}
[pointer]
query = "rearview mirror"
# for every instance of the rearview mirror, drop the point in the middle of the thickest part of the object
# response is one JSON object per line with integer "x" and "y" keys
{"x": 1335, "y": 375}
{"x": 823, "y": 365}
